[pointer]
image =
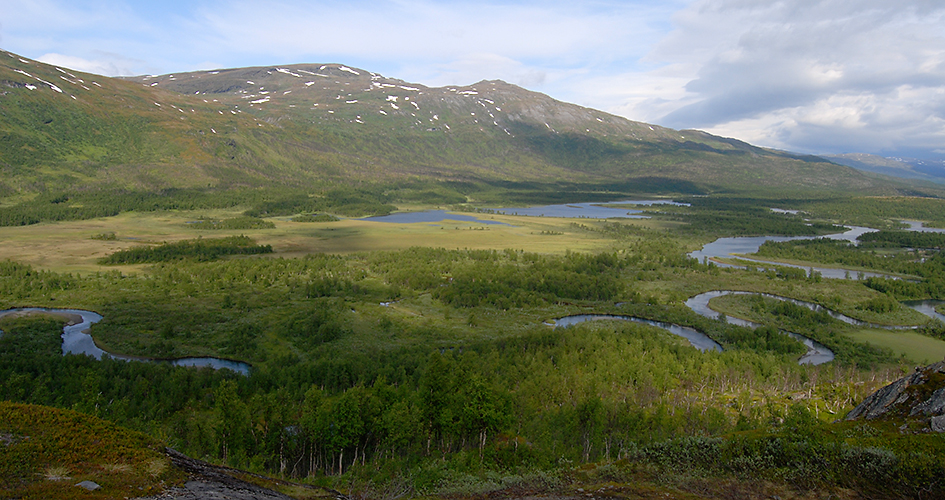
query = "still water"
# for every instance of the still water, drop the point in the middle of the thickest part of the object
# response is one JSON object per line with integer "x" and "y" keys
{"x": 430, "y": 216}
{"x": 76, "y": 340}
{"x": 698, "y": 339}
{"x": 817, "y": 353}
{"x": 744, "y": 245}
{"x": 589, "y": 210}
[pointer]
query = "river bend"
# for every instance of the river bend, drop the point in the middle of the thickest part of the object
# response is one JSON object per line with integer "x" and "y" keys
{"x": 76, "y": 340}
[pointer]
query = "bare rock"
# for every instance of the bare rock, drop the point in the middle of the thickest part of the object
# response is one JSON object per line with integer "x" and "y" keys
{"x": 921, "y": 393}
{"x": 935, "y": 405}
{"x": 89, "y": 485}
{"x": 210, "y": 482}
{"x": 938, "y": 423}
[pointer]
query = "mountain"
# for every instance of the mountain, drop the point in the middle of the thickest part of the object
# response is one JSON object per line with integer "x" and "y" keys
{"x": 905, "y": 168}
{"x": 321, "y": 124}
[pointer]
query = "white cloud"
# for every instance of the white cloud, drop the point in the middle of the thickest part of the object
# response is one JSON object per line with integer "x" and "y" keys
{"x": 808, "y": 75}
{"x": 804, "y": 75}
{"x": 109, "y": 64}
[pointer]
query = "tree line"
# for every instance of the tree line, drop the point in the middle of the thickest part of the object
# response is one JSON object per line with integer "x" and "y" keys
{"x": 198, "y": 249}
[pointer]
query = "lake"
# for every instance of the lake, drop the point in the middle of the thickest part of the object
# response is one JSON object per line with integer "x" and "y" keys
{"x": 430, "y": 216}
{"x": 589, "y": 210}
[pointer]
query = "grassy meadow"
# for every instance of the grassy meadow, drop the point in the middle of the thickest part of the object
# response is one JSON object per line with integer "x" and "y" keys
{"x": 912, "y": 346}
{"x": 76, "y": 246}
{"x": 421, "y": 355}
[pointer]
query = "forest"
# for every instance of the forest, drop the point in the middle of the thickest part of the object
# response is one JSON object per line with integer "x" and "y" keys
{"x": 439, "y": 370}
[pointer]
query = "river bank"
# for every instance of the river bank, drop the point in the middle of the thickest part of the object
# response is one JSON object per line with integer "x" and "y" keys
{"x": 77, "y": 340}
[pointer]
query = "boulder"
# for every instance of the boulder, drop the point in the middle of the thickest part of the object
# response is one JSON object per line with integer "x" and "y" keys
{"x": 89, "y": 485}
{"x": 938, "y": 423}
{"x": 919, "y": 394}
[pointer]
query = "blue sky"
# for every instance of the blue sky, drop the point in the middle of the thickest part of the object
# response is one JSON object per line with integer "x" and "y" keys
{"x": 811, "y": 76}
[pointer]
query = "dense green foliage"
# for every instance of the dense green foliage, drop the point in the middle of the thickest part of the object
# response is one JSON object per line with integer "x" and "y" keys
{"x": 425, "y": 364}
{"x": 932, "y": 284}
{"x": 907, "y": 239}
{"x": 315, "y": 218}
{"x": 844, "y": 253}
{"x": 818, "y": 325}
{"x": 744, "y": 217}
{"x": 424, "y": 401}
{"x": 232, "y": 224}
{"x": 47, "y": 451}
{"x": 878, "y": 212}
{"x": 339, "y": 380}
{"x": 199, "y": 249}
{"x": 869, "y": 458}
{"x": 529, "y": 279}
{"x": 79, "y": 205}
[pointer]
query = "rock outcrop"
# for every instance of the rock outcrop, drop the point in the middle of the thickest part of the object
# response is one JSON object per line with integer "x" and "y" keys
{"x": 918, "y": 398}
{"x": 209, "y": 482}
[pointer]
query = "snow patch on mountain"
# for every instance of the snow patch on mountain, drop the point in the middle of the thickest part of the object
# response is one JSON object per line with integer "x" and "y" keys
{"x": 286, "y": 71}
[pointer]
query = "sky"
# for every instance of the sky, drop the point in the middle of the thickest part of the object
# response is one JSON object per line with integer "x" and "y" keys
{"x": 808, "y": 76}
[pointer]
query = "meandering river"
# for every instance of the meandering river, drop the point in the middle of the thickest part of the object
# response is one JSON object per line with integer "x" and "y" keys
{"x": 744, "y": 245}
{"x": 76, "y": 340}
{"x": 816, "y": 354}
{"x": 698, "y": 339}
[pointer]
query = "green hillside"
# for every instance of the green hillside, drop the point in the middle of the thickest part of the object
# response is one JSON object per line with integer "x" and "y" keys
{"x": 46, "y": 452}
{"x": 312, "y": 125}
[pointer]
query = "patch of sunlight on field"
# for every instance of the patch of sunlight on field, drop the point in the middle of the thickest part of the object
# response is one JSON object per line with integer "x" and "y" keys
{"x": 352, "y": 235}
{"x": 76, "y": 246}
{"x": 916, "y": 347}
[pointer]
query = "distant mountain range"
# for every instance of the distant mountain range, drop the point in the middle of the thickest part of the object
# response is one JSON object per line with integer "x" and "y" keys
{"x": 905, "y": 168}
{"x": 322, "y": 124}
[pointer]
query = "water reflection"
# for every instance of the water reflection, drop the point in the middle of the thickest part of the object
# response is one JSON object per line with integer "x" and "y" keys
{"x": 430, "y": 216}
{"x": 745, "y": 245}
{"x": 589, "y": 210}
{"x": 817, "y": 353}
{"x": 76, "y": 340}
{"x": 698, "y": 339}
{"x": 919, "y": 227}
{"x": 926, "y": 307}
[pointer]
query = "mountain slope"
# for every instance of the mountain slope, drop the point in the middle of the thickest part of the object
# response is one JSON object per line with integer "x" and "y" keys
{"x": 48, "y": 453}
{"x": 53, "y": 453}
{"x": 927, "y": 170}
{"x": 311, "y": 124}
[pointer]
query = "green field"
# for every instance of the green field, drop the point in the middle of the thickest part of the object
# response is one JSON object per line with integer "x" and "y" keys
{"x": 916, "y": 348}
{"x": 421, "y": 354}
{"x": 73, "y": 246}
{"x": 420, "y": 360}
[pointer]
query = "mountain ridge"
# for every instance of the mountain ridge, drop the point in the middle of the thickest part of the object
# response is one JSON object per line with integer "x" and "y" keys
{"x": 323, "y": 124}
{"x": 904, "y": 168}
